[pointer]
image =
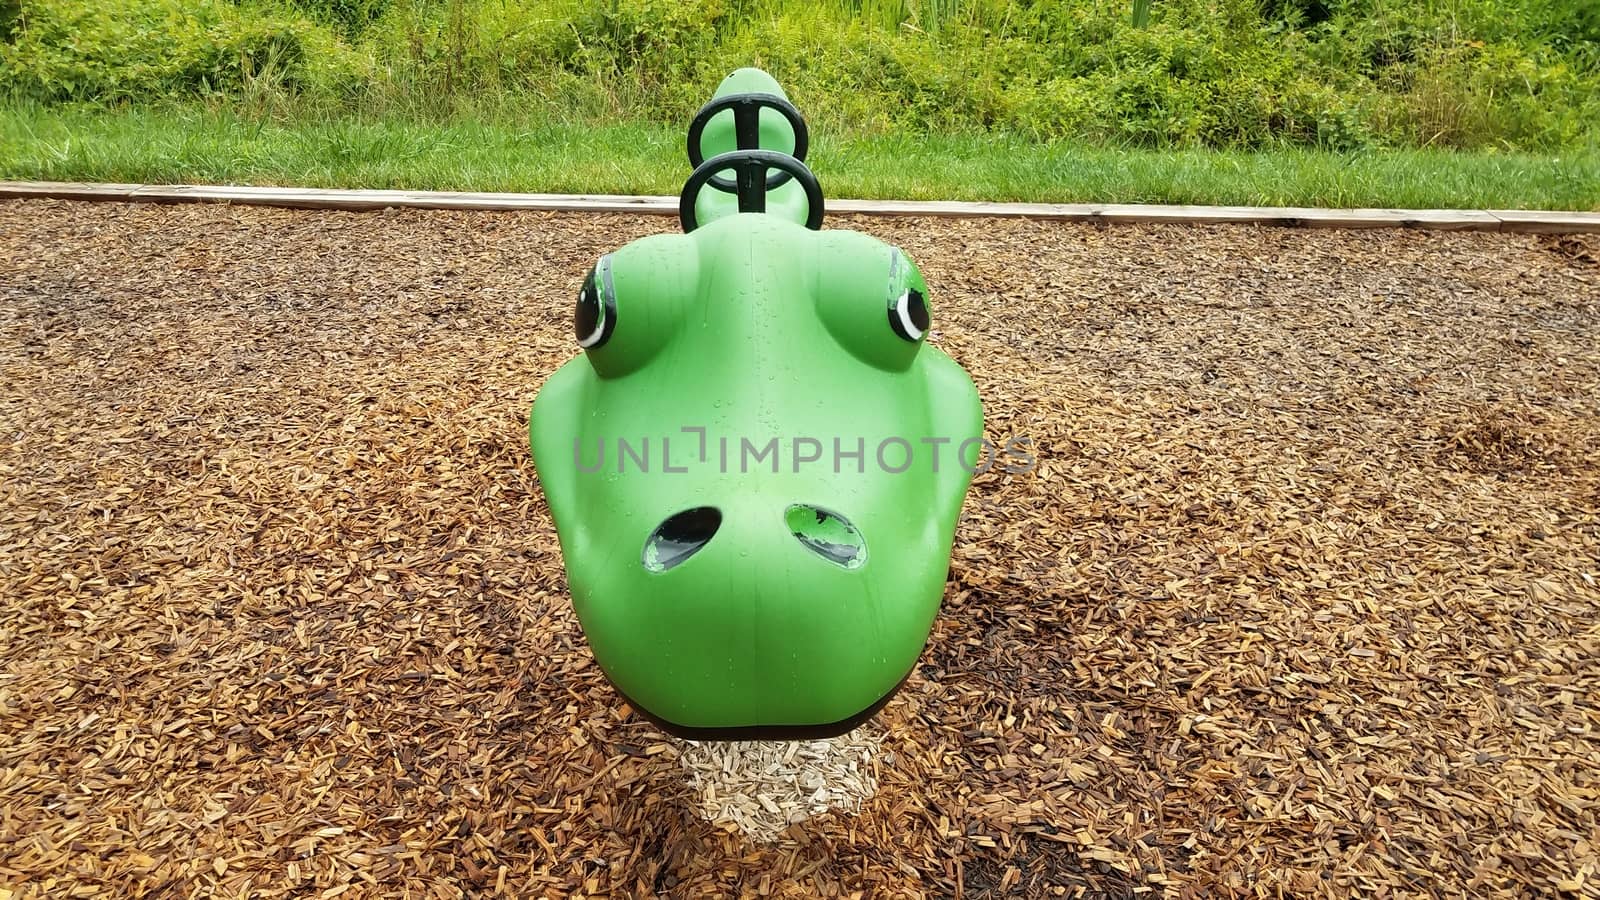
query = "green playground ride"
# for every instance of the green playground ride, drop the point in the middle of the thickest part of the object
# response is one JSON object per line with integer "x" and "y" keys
{"x": 756, "y": 465}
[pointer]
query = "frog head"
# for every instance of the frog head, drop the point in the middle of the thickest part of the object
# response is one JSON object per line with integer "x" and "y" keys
{"x": 755, "y": 467}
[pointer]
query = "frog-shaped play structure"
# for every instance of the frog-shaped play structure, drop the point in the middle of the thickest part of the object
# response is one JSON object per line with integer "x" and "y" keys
{"x": 756, "y": 465}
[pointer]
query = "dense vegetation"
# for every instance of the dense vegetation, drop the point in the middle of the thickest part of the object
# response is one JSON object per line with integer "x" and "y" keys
{"x": 1245, "y": 74}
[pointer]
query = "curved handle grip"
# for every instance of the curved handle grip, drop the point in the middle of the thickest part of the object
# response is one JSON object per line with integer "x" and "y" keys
{"x": 752, "y": 170}
{"x": 747, "y": 128}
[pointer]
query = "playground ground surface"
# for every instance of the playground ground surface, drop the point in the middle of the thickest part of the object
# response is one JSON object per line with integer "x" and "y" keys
{"x": 1300, "y": 599}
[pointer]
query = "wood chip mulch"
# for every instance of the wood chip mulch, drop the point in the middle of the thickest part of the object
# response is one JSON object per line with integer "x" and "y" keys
{"x": 1300, "y": 600}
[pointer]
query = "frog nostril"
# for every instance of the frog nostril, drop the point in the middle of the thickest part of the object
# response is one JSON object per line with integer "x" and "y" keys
{"x": 680, "y": 536}
{"x": 827, "y": 534}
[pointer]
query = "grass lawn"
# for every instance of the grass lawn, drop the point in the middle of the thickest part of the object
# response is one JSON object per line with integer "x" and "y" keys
{"x": 211, "y": 144}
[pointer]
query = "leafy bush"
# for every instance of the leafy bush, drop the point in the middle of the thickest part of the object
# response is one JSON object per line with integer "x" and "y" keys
{"x": 1339, "y": 74}
{"x": 122, "y": 49}
{"x": 350, "y": 17}
{"x": 10, "y": 19}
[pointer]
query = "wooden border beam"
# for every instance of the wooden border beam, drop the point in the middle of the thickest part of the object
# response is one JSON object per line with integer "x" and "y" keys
{"x": 1510, "y": 220}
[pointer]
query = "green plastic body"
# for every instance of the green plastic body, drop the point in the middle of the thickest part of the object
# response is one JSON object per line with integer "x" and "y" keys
{"x": 754, "y": 334}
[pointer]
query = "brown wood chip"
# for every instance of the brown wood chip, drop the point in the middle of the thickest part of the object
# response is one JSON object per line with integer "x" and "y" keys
{"x": 1300, "y": 599}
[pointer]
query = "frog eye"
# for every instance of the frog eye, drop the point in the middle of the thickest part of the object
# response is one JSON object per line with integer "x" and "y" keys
{"x": 908, "y": 299}
{"x": 860, "y": 281}
{"x": 596, "y": 314}
{"x": 908, "y": 314}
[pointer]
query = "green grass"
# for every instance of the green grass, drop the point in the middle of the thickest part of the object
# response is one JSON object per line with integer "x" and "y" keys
{"x": 194, "y": 143}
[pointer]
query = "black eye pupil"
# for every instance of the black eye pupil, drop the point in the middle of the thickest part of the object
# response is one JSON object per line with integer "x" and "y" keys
{"x": 908, "y": 315}
{"x": 917, "y": 309}
{"x": 587, "y": 316}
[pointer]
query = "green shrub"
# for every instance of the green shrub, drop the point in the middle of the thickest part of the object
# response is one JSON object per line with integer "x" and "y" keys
{"x": 10, "y": 19}
{"x": 1495, "y": 94}
{"x": 350, "y": 17}
{"x": 126, "y": 49}
{"x": 1338, "y": 74}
